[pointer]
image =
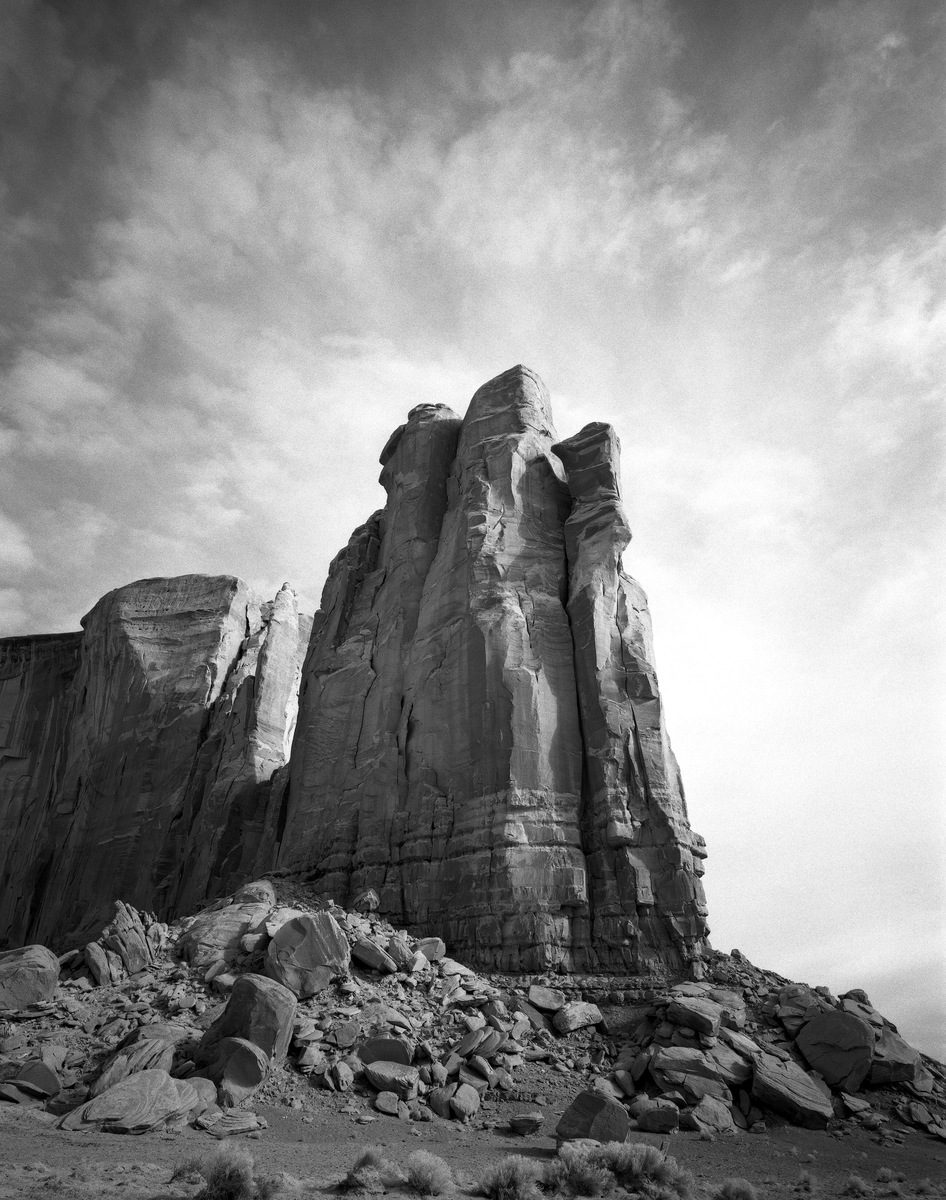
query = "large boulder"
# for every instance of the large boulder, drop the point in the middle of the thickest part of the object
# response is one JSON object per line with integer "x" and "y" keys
{"x": 27, "y": 976}
{"x": 238, "y": 1067}
{"x": 393, "y": 1077}
{"x": 259, "y": 1010}
{"x": 697, "y": 1013}
{"x": 126, "y": 936}
{"x": 215, "y": 934}
{"x": 895, "y": 1061}
{"x": 710, "y": 1116}
{"x": 592, "y": 1115}
{"x": 691, "y": 1071}
{"x": 786, "y": 1088}
{"x": 135, "y": 1054}
{"x": 147, "y": 1101}
{"x": 839, "y": 1046}
{"x": 577, "y": 1014}
{"x": 306, "y": 952}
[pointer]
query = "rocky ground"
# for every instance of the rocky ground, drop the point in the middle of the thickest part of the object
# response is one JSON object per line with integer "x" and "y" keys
{"x": 304, "y": 1033}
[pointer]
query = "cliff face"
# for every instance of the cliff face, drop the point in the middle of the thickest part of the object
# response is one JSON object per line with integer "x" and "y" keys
{"x": 480, "y": 737}
{"x": 480, "y": 734}
{"x": 174, "y": 705}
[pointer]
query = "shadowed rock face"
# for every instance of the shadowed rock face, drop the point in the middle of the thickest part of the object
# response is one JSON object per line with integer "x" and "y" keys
{"x": 480, "y": 734}
{"x": 480, "y": 739}
{"x": 158, "y": 729}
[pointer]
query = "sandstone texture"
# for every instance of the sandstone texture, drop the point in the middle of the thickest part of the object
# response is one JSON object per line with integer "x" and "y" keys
{"x": 481, "y": 742}
{"x": 136, "y": 758}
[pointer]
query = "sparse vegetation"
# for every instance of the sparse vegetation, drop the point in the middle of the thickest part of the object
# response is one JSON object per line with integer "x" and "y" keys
{"x": 369, "y": 1173}
{"x": 573, "y": 1173}
{"x": 228, "y": 1172}
{"x": 856, "y": 1186}
{"x": 888, "y": 1175}
{"x": 512, "y": 1178}
{"x": 428, "y": 1174}
{"x": 806, "y": 1182}
{"x": 638, "y": 1166}
{"x": 926, "y": 1187}
{"x": 734, "y": 1189}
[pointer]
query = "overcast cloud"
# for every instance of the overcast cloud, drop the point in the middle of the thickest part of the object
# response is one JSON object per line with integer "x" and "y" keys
{"x": 239, "y": 241}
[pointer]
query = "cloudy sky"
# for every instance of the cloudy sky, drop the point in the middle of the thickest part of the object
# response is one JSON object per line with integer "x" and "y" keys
{"x": 240, "y": 240}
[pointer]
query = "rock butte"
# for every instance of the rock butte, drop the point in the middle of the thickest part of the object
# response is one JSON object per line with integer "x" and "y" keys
{"x": 475, "y": 727}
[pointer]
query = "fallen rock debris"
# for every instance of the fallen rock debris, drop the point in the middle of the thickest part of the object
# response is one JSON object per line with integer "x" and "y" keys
{"x": 264, "y": 996}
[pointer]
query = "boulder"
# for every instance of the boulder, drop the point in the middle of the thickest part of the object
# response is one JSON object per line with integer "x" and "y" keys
{"x": 839, "y": 1046}
{"x": 591, "y": 1115}
{"x": 691, "y": 1071}
{"x": 97, "y": 962}
{"x": 370, "y": 954}
{"x": 786, "y": 1088}
{"x": 27, "y": 976}
{"x": 260, "y": 1010}
{"x": 526, "y": 1123}
{"x": 546, "y": 999}
{"x": 710, "y": 1116}
{"x": 465, "y": 1102}
{"x": 439, "y": 1100}
{"x": 215, "y": 934}
{"x": 237, "y": 1067}
{"x": 39, "y": 1076}
{"x": 894, "y": 1061}
{"x": 662, "y": 1116}
{"x": 577, "y": 1014}
{"x": 306, "y": 952}
{"x": 692, "y": 1012}
{"x": 135, "y": 1054}
{"x": 432, "y": 948}
{"x": 126, "y": 935}
{"x": 393, "y": 1077}
{"x": 396, "y": 1050}
{"x": 798, "y": 1004}
{"x": 149, "y": 1100}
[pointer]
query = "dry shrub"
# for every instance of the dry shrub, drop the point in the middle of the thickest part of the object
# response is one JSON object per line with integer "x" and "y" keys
{"x": 512, "y": 1178}
{"x": 887, "y": 1175}
{"x": 428, "y": 1174}
{"x": 856, "y": 1186}
{"x": 369, "y": 1173}
{"x": 228, "y": 1172}
{"x": 926, "y": 1187}
{"x": 574, "y": 1173}
{"x": 734, "y": 1189}
{"x": 806, "y": 1182}
{"x": 640, "y": 1167}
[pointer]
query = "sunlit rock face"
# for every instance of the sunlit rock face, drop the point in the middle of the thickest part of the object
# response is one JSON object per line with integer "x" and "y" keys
{"x": 159, "y": 727}
{"x": 480, "y": 736}
{"x": 470, "y": 727}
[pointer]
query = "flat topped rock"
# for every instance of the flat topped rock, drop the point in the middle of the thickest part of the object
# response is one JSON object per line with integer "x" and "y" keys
{"x": 576, "y": 1015}
{"x": 547, "y": 999}
{"x": 146, "y": 1101}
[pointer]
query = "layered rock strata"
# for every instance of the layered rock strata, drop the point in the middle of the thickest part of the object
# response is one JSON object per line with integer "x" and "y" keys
{"x": 480, "y": 737}
{"x": 139, "y": 754}
{"x": 480, "y": 750}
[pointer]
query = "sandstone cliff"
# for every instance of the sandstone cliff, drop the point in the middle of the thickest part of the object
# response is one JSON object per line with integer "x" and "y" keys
{"x": 480, "y": 736}
{"x": 134, "y": 747}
